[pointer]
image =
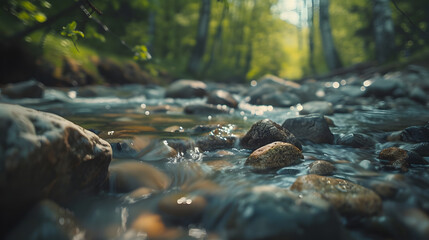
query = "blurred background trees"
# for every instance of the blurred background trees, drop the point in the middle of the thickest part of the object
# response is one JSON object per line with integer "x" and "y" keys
{"x": 229, "y": 40}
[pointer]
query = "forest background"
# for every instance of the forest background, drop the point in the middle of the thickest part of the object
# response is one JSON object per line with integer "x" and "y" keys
{"x": 223, "y": 41}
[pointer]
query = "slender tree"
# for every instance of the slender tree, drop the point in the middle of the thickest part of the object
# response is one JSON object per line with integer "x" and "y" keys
{"x": 195, "y": 62}
{"x": 217, "y": 39}
{"x": 330, "y": 52}
{"x": 383, "y": 30}
{"x": 310, "y": 16}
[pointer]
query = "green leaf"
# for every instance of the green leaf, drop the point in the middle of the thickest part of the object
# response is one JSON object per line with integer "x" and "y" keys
{"x": 40, "y": 17}
{"x": 27, "y": 5}
{"x": 79, "y": 33}
{"x": 46, "y": 4}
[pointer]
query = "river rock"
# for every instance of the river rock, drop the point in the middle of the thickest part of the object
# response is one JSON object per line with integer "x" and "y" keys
{"x": 186, "y": 89}
{"x": 268, "y": 212}
{"x": 256, "y": 94}
{"x": 280, "y": 99}
{"x": 415, "y": 134}
{"x": 383, "y": 87}
{"x": 126, "y": 176}
{"x": 400, "y": 158}
{"x": 274, "y": 155}
{"x": 321, "y": 168}
{"x": 28, "y": 89}
{"x": 418, "y": 95}
{"x": 420, "y": 148}
{"x": 266, "y": 131}
{"x": 221, "y": 97}
{"x": 206, "y": 109}
{"x": 213, "y": 142}
{"x": 348, "y": 198}
{"x": 44, "y": 155}
{"x": 356, "y": 140}
{"x": 47, "y": 220}
{"x": 312, "y": 128}
{"x": 320, "y": 107}
{"x": 277, "y": 81}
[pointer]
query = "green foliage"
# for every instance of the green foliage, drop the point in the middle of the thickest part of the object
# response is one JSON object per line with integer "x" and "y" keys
{"x": 29, "y": 11}
{"x": 141, "y": 53}
{"x": 70, "y": 31}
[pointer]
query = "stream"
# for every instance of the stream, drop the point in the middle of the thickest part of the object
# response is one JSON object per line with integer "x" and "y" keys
{"x": 222, "y": 193}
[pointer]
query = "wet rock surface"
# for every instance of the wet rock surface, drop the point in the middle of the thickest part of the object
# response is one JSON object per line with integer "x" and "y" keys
{"x": 321, "y": 168}
{"x": 347, "y": 197}
{"x": 312, "y": 128}
{"x": 266, "y": 131}
{"x": 274, "y": 155}
{"x": 44, "y": 155}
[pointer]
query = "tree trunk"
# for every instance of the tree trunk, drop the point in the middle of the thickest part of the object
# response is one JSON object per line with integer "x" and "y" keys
{"x": 217, "y": 39}
{"x": 311, "y": 37}
{"x": 330, "y": 52}
{"x": 194, "y": 66}
{"x": 383, "y": 30}
{"x": 152, "y": 24}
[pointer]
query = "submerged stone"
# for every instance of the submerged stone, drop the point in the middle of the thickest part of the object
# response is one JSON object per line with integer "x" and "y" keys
{"x": 348, "y": 198}
{"x": 356, "y": 140}
{"x": 182, "y": 205}
{"x": 130, "y": 175}
{"x": 274, "y": 155}
{"x": 268, "y": 212}
{"x": 266, "y": 131}
{"x": 321, "y": 168}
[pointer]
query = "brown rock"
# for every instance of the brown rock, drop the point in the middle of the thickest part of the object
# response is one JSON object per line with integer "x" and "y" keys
{"x": 400, "y": 159}
{"x": 347, "y": 197}
{"x": 274, "y": 155}
{"x": 266, "y": 131}
{"x": 321, "y": 168}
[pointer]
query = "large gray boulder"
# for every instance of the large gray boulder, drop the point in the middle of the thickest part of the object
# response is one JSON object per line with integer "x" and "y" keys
{"x": 312, "y": 127}
{"x": 43, "y": 155}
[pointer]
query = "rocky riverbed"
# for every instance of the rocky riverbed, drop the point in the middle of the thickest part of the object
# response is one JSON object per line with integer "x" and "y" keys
{"x": 341, "y": 158}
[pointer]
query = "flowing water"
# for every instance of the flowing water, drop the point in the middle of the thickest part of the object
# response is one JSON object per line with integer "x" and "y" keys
{"x": 156, "y": 122}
